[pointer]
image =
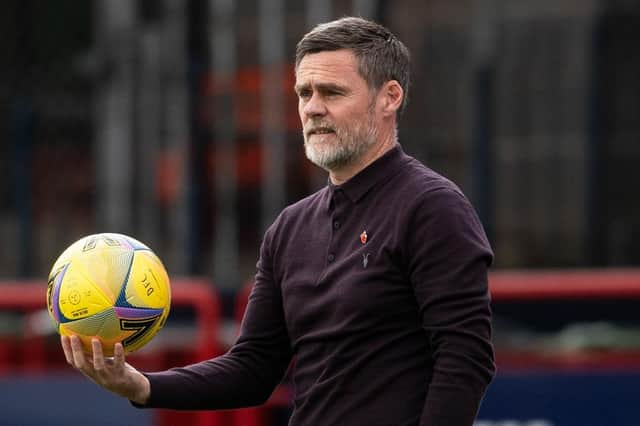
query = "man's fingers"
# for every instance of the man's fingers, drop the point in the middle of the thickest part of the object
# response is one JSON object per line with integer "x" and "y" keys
{"x": 66, "y": 347}
{"x": 79, "y": 360}
{"x": 113, "y": 374}
{"x": 118, "y": 355}
{"x": 98, "y": 356}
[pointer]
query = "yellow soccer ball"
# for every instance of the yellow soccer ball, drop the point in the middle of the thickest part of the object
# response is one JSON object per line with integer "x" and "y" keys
{"x": 109, "y": 286}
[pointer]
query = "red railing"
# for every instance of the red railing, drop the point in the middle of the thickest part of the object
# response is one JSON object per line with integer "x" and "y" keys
{"x": 565, "y": 284}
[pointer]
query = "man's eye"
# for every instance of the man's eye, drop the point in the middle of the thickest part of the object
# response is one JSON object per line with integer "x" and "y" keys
{"x": 304, "y": 94}
{"x": 333, "y": 93}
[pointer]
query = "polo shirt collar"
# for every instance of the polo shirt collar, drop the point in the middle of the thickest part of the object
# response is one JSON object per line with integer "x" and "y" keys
{"x": 378, "y": 171}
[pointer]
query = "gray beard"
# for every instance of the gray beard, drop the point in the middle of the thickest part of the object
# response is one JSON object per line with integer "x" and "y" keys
{"x": 350, "y": 147}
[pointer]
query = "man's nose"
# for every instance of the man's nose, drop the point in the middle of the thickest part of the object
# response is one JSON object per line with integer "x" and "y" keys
{"x": 314, "y": 106}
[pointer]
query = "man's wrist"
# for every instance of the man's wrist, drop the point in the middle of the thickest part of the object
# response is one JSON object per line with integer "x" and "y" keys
{"x": 142, "y": 390}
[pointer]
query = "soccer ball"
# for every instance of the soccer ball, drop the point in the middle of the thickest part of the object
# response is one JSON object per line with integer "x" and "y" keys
{"x": 109, "y": 286}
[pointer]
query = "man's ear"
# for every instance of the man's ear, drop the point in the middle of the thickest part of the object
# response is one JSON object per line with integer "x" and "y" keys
{"x": 391, "y": 97}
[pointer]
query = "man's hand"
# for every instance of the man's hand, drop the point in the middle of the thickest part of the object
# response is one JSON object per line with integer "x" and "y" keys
{"x": 113, "y": 374}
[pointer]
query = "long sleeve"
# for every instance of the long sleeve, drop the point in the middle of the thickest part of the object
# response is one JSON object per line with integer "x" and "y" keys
{"x": 448, "y": 270}
{"x": 247, "y": 374}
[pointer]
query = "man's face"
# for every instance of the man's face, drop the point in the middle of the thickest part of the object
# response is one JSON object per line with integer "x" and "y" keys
{"x": 336, "y": 107}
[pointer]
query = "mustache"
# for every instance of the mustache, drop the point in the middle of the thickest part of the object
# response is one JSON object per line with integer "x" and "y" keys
{"x": 318, "y": 126}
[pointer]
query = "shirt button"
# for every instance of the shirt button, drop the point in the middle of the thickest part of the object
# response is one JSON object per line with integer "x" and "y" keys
{"x": 331, "y": 257}
{"x": 336, "y": 224}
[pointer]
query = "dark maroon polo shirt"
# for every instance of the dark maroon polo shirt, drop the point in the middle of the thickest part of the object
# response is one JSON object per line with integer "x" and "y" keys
{"x": 378, "y": 288}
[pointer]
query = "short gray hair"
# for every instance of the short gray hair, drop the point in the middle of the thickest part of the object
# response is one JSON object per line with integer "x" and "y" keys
{"x": 381, "y": 55}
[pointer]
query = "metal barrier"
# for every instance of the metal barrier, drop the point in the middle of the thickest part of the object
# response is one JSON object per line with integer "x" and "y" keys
{"x": 564, "y": 284}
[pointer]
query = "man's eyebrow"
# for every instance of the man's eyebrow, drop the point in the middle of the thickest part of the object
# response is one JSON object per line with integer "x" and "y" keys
{"x": 322, "y": 87}
{"x": 299, "y": 87}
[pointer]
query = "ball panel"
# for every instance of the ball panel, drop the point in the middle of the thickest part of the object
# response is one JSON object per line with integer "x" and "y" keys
{"x": 105, "y": 324}
{"x": 100, "y": 323}
{"x": 144, "y": 324}
{"x": 109, "y": 269}
{"x": 148, "y": 283}
{"x": 132, "y": 242}
{"x": 137, "y": 313}
{"x": 53, "y": 292}
{"x": 78, "y": 296}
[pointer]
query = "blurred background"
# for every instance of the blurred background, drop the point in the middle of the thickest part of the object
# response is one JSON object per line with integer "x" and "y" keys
{"x": 176, "y": 122}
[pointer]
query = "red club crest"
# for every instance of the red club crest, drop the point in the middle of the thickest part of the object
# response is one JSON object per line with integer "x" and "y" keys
{"x": 363, "y": 237}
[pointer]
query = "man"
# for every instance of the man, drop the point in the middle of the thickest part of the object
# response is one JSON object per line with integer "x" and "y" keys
{"x": 376, "y": 284}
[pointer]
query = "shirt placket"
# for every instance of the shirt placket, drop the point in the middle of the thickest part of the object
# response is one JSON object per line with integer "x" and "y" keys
{"x": 335, "y": 222}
